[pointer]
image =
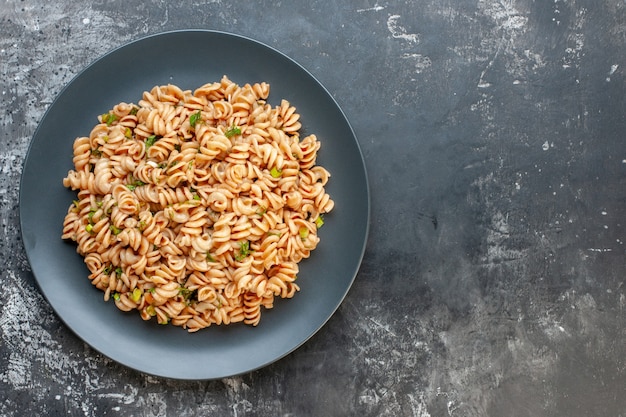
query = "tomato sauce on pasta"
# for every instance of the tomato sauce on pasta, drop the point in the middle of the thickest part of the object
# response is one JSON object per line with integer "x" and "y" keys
{"x": 196, "y": 207}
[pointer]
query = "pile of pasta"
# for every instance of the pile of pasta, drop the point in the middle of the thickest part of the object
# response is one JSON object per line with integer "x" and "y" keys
{"x": 196, "y": 207}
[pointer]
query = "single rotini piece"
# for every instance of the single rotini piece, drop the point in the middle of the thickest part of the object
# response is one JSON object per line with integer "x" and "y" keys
{"x": 195, "y": 207}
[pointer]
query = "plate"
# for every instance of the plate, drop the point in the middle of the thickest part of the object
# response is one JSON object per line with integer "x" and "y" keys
{"x": 190, "y": 59}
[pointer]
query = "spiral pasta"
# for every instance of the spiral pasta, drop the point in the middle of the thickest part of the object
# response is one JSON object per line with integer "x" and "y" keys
{"x": 195, "y": 207}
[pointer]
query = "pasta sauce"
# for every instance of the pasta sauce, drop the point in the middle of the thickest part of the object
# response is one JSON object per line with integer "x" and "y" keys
{"x": 196, "y": 207}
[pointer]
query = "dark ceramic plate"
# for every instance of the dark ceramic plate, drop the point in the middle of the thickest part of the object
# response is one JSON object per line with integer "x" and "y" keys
{"x": 190, "y": 59}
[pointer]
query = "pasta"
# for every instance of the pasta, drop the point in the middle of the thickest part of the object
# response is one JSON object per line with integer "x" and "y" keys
{"x": 196, "y": 207}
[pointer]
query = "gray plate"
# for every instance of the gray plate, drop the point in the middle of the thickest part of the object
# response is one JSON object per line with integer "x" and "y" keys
{"x": 190, "y": 59}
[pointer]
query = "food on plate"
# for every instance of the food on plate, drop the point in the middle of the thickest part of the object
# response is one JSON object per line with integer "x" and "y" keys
{"x": 196, "y": 207}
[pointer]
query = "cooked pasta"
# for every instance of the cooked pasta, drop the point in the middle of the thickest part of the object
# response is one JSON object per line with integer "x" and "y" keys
{"x": 196, "y": 207}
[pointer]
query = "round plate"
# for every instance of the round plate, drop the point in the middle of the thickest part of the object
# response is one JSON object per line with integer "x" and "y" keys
{"x": 190, "y": 59}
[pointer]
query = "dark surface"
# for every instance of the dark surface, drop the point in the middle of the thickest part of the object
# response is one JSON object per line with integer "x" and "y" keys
{"x": 324, "y": 278}
{"x": 493, "y": 280}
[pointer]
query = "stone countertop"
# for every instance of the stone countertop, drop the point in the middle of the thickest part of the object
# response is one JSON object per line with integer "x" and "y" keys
{"x": 493, "y": 280}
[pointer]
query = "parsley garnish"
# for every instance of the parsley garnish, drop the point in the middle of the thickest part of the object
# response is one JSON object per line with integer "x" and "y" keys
{"x": 319, "y": 222}
{"x": 186, "y": 293}
{"x": 276, "y": 173}
{"x": 135, "y": 184}
{"x": 232, "y": 132}
{"x": 109, "y": 118}
{"x": 244, "y": 250}
{"x": 195, "y": 118}
{"x": 150, "y": 140}
{"x": 136, "y": 295}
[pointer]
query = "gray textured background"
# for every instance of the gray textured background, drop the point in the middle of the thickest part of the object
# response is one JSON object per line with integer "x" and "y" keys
{"x": 493, "y": 282}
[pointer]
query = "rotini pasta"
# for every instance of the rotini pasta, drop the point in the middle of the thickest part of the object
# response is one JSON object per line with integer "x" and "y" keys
{"x": 195, "y": 207}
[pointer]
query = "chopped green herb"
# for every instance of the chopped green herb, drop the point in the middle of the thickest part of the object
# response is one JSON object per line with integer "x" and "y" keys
{"x": 319, "y": 222}
{"x": 151, "y": 311}
{"x": 118, "y": 271}
{"x": 128, "y": 133}
{"x": 109, "y": 118}
{"x": 134, "y": 111}
{"x": 262, "y": 210}
{"x": 195, "y": 118}
{"x": 150, "y": 140}
{"x": 96, "y": 152}
{"x": 135, "y": 184}
{"x": 151, "y": 290}
{"x": 304, "y": 232}
{"x": 90, "y": 215}
{"x": 89, "y": 228}
{"x": 187, "y": 293}
{"x": 196, "y": 197}
{"x": 107, "y": 270}
{"x": 276, "y": 173}
{"x": 116, "y": 296}
{"x": 163, "y": 165}
{"x": 244, "y": 250}
{"x": 232, "y": 132}
{"x": 115, "y": 230}
{"x": 210, "y": 258}
{"x": 136, "y": 295}
{"x": 177, "y": 147}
